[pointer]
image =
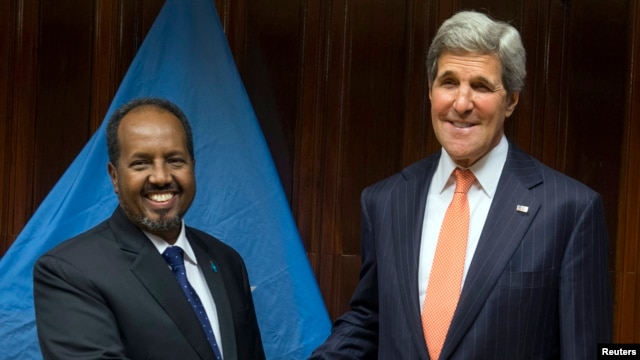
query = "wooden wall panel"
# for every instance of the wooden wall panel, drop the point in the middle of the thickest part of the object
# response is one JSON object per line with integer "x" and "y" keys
{"x": 105, "y": 76}
{"x": 61, "y": 63}
{"x": 594, "y": 109}
{"x": 418, "y": 139}
{"x": 371, "y": 127}
{"x": 537, "y": 120}
{"x": 308, "y": 190}
{"x": 371, "y": 115}
{"x": 119, "y": 28}
{"x": 63, "y": 89}
{"x": 272, "y": 76}
{"x": 315, "y": 190}
{"x": 234, "y": 18}
{"x": 18, "y": 116}
{"x": 627, "y": 264}
{"x": 6, "y": 36}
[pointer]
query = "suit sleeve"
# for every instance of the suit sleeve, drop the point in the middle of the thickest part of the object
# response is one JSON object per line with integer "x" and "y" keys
{"x": 354, "y": 335}
{"x": 585, "y": 289}
{"x": 255, "y": 349}
{"x": 73, "y": 321}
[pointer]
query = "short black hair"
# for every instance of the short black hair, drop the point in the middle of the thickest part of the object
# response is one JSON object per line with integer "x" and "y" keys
{"x": 113, "y": 146}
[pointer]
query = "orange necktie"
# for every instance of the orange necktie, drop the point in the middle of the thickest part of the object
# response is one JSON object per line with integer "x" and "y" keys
{"x": 445, "y": 280}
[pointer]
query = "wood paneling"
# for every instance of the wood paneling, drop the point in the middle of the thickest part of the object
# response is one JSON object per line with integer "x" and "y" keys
{"x": 340, "y": 89}
{"x": 594, "y": 111}
{"x": 627, "y": 265}
{"x": 60, "y": 65}
{"x": 308, "y": 191}
{"x": 118, "y": 30}
{"x": 20, "y": 26}
{"x": 63, "y": 89}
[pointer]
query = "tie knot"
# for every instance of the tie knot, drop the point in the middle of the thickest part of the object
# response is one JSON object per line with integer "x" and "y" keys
{"x": 464, "y": 180}
{"x": 173, "y": 255}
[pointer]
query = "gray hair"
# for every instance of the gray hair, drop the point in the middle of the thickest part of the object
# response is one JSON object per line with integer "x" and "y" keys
{"x": 470, "y": 31}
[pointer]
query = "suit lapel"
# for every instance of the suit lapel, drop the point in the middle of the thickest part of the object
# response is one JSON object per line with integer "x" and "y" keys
{"x": 153, "y": 273}
{"x": 408, "y": 227}
{"x": 211, "y": 271}
{"x": 502, "y": 233}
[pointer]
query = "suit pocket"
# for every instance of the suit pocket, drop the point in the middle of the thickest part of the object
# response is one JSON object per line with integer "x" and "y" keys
{"x": 526, "y": 280}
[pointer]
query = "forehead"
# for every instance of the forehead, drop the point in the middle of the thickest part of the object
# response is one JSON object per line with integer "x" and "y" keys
{"x": 469, "y": 64}
{"x": 150, "y": 124}
{"x": 149, "y": 119}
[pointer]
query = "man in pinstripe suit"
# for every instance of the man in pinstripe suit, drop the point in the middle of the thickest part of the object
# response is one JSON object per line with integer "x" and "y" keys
{"x": 535, "y": 280}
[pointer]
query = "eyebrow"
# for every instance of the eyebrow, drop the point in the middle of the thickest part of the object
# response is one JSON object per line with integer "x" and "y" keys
{"x": 143, "y": 154}
{"x": 444, "y": 74}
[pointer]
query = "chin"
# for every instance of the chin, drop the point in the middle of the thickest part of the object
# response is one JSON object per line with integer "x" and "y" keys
{"x": 163, "y": 224}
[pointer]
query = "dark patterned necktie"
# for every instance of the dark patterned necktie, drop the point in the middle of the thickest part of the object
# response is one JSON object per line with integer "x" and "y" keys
{"x": 174, "y": 257}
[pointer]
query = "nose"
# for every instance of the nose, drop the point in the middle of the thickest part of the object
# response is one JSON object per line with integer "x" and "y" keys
{"x": 160, "y": 175}
{"x": 463, "y": 101}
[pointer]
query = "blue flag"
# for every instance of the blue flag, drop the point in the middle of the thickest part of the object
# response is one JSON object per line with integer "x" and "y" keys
{"x": 185, "y": 58}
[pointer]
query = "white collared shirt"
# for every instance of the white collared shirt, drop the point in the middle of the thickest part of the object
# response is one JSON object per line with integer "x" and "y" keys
{"x": 487, "y": 172}
{"x": 195, "y": 277}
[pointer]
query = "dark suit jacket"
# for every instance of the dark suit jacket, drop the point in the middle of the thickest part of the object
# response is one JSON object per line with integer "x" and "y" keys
{"x": 537, "y": 288}
{"x": 109, "y": 294}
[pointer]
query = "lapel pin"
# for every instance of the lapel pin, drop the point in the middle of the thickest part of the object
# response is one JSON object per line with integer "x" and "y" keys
{"x": 522, "y": 209}
{"x": 213, "y": 266}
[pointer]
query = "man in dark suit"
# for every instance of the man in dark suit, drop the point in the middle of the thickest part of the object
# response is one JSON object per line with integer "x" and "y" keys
{"x": 533, "y": 276}
{"x": 109, "y": 293}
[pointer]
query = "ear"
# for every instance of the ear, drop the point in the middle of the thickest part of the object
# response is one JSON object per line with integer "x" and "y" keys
{"x": 512, "y": 102}
{"x": 113, "y": 174}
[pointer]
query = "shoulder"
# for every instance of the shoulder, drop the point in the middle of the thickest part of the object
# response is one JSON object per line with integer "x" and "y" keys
{"x": 84, "y": 244}
{"x": 83, "y": 260}
{"x": 415, "y": 173}
{"x": 538, "y": 176}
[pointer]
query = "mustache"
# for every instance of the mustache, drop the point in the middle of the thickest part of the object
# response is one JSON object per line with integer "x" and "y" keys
{"x": 171, "y": 187}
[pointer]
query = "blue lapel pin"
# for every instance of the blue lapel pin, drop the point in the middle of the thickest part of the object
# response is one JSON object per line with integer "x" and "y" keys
{"x": 213, "y": 266}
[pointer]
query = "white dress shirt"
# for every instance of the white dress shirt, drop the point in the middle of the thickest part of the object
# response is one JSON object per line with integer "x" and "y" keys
{"x": 195, "y": 277}
{"x": 487, "y": 172}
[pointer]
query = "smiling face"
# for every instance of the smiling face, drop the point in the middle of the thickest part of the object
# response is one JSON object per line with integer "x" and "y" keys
{"x": 469, "y": 105}
{"x": 154, "y": 176}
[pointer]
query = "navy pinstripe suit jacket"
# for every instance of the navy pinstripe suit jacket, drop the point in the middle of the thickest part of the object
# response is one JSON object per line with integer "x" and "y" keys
{"x": 538, "y": 286}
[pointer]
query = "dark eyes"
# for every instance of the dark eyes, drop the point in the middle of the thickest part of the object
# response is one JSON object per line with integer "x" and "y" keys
{"x": 142, "y": 164}
{"x": 176, "y": 162}
{"x": 139, "y": 164}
